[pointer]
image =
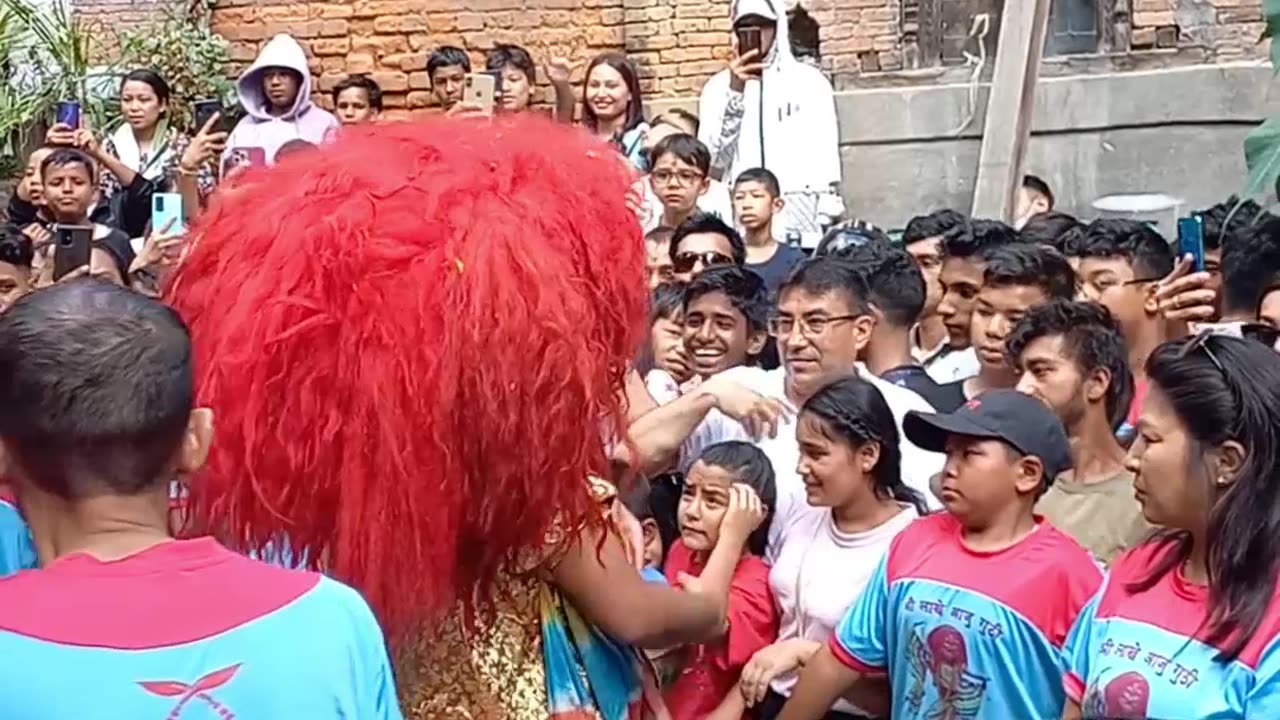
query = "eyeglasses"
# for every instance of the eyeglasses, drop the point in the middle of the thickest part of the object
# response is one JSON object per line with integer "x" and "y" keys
{"x": 684, "y": 178}
{"x": 1201, "y": 342}
{"x": 685, "y": 262}
{"x": 810, "y": 327}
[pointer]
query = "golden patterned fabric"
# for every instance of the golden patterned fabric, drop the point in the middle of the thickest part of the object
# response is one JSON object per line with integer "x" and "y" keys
{"x": 495, "y": 673}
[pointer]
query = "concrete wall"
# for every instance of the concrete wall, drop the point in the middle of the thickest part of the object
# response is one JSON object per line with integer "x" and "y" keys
{"x": 1177, "y": 131}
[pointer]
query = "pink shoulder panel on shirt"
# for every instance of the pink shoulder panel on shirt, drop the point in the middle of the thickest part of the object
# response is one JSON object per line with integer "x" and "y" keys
{"x": 174, "y": 593}
{"x": 1174, "y": 604}
{"x": 1047, "y": 577}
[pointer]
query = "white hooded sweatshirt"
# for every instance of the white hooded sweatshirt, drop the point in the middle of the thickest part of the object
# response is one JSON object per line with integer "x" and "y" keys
{"x": 259, "y": 128}
{"x": 784, "y": 121}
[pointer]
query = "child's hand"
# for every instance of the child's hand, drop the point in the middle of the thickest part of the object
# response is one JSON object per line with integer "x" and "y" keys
{"x": 744, "y": 515}
{"x": 767, "y": 664}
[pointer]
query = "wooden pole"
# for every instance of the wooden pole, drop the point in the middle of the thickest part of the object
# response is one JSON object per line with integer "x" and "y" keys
{"x": 1023, "y": 25}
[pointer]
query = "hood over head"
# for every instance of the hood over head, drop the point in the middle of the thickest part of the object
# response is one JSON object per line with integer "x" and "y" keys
{"x": 775, "y": 10}
{"x": 282, "y": 51}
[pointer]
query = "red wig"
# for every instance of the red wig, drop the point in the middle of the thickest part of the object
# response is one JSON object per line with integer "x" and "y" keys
{"x": 414, "y": 344}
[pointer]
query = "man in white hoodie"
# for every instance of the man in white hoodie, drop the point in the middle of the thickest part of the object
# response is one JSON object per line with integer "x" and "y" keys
{"x": 276, "y": 94}
{"x": 768, "y": 109}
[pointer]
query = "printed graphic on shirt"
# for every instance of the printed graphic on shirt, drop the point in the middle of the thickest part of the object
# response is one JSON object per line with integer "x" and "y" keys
{"x": 1145, "y": 654}
{"x": 201, "y": 691}
{"x": 941, "y": 659}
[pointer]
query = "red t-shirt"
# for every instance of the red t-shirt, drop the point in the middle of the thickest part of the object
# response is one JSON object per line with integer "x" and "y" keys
{"x": 713, "y": 668}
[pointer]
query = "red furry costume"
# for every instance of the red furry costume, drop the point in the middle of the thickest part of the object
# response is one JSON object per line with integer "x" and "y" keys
{"x": 413, "y": 343}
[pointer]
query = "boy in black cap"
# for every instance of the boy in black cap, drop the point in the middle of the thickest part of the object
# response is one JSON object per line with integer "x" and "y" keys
{"x": 968, "y": 612}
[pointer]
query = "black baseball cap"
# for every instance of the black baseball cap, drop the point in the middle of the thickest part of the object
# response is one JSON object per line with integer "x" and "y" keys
{"x": 1007, "y": 415}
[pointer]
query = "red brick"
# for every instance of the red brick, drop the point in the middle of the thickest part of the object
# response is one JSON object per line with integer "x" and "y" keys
{"x": 391, "y": 81}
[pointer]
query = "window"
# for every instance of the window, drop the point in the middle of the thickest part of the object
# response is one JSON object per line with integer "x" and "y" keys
{"x": 939, "y": 29}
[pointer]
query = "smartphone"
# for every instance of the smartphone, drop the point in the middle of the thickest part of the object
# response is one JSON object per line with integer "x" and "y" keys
{"x": 748, "y": 40}
{"x": 479, "y": 90}
{"x": 244, "y": 157}
{"x": 202, "y": 111}
{"x": 68, "y": 113}
{"x": 71, "y": 247}
{"x": 497, "y": 82}
{"x": 166, "y": 208}
{"x": 1191, "y": 240}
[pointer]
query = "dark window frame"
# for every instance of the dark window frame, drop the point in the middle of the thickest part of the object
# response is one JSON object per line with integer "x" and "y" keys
{"x": 938, "y": 26}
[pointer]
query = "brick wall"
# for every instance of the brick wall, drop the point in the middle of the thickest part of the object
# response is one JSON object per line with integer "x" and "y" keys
{"x": 678, "y": 44}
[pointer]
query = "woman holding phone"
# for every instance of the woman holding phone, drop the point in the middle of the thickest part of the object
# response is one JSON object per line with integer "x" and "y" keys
{"x": 612, "y": 106}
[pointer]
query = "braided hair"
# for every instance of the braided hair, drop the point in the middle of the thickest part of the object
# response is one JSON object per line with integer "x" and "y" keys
{"x": 855, "y": 411}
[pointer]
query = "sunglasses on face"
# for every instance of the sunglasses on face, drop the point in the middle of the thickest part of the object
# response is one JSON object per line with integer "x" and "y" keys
{"x": 687, "y": 261}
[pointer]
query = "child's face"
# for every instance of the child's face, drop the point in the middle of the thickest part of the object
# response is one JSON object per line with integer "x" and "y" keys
{"x": 14, "y": 283}
{"x": 995, "y": 312}
{"x": 281, "y": 87}
{"x": 666, "y": 339}
{"x": 447, "y": 84}
{"x": 980, "y": 478}
{"x": 69, "y": 191}
{"x": 717, "y": 334}
{"x": 835, "y": 473}
{"x": 657, "y": 263}
{"x": 652, "y": 543}
{"x": 703, "y": 505}
{"x": 516, "y": 90}
{"x": 754, "y": 205}
{"x": 33, "y": 184}
{"x": 677, "y": 183}
{"x": 353, "y": 107}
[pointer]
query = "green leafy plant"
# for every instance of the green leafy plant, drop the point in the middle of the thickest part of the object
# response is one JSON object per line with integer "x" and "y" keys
{"x": 1262, "y": 144}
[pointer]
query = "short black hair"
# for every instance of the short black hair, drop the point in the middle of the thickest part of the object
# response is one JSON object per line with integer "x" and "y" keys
{"x": 16, "y": 248}
{"x": 666, "y": 302}
{"x": 935, "y": 224}
{"x": 675, "y": 114}
{"x": 822, "y": 274}
{"x": 705, "y": 222}
{"x": 1033, "y": 266}
{"x": 750, "y": 466}
{"x": 1037, "y": 185}
{"x": 1057, "y": 230}
{"x": 745, "y": 289}
{"x": 1218, "y": 232}
{"x": 361, "y": 82}
{"x": 686, "y": 148}
{"x": 447, "y": 56}
{"x": 65, "y": 156}
{"x": 1250, "y": 267}
{"x": 515, "y": 56}
{"x": 762, "y": 176}
{"x": 976, "y": 238}
{"x": 96, "y": 388}
{"x": 1150, "y": 254}
{"x": 1090, "y": 337}
{"x": 895, "y": 282}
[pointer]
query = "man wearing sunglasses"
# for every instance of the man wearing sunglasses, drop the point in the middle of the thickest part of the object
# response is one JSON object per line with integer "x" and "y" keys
{"x": 703, "y": 241}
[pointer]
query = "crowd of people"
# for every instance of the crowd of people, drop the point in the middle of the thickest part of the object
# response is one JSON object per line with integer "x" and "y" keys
{"x": 602, "y": 415}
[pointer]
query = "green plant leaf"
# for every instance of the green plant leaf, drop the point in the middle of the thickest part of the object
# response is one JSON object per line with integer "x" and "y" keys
{"x": 1271, "y": 14}
{"x": 1262, "y": 157}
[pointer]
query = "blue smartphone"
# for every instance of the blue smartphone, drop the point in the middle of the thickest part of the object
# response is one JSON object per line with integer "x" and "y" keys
{"x": 68, "y": 113}
{"x": 1191, "y": 240}
{"x": 167, "y": 208}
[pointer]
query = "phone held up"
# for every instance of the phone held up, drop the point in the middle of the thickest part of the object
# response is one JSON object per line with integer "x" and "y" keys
{"x": 1191, "y": 240}
{"x": 479, "y": 90}
{"x": 203, "y": 111}
{"x": 166, "y": 214}
{"x": 72, "y": 245}
{"x": 749, "y": 40}
{"x": 67, "y": 113}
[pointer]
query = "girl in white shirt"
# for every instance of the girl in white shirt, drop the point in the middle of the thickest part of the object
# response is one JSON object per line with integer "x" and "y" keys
{"x": 857, "y": 503}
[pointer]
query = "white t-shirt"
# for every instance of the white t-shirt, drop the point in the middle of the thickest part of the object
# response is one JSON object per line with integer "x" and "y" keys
{"x": 819, "y": 572}
{"x": 918, "y": 466}
{"x": 953, "y": 366}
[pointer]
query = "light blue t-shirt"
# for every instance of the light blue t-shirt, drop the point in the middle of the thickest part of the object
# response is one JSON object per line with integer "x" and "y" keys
{"x": 16, "y": 550}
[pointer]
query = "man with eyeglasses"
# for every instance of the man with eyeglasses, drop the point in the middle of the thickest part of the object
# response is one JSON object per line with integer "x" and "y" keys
{"x": 1121, "y": 265}
{"x": 823, "y": 324}
{"x": 703, "y": 241}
